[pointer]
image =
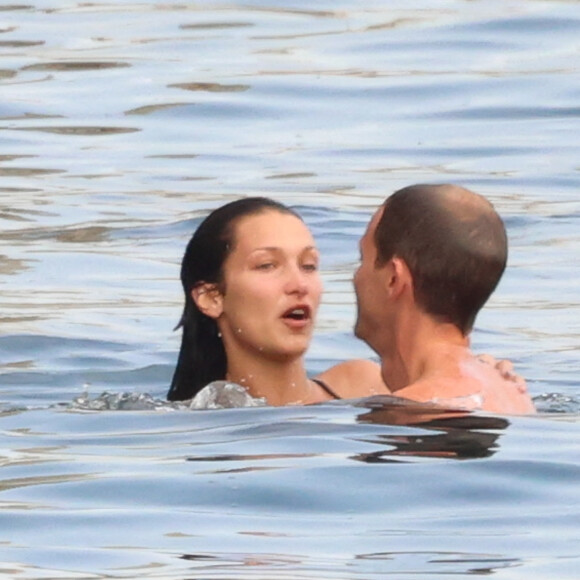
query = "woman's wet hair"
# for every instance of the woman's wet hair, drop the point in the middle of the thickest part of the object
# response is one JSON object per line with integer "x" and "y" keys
{"x": 202, "y": 357}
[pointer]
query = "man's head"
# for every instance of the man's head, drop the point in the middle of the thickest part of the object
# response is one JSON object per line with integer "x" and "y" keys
{"x": 451, "y": 240}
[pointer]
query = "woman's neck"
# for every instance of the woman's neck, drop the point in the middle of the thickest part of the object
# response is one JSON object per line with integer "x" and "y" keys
{"x": 279, "y": 382}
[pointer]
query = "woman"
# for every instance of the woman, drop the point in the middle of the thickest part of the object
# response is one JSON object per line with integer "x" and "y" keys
{"x": 252, "y": 290}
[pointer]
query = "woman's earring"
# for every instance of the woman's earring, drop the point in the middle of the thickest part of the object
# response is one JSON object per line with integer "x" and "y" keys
{"x": 219, "y": 334}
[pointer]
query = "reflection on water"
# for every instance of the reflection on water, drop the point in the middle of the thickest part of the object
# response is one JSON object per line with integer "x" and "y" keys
{"x": 332, "y": 490}
{"x": 211, "y": 87}
{"x": 403, "y": 563}
{"x": 80, "y": 130}
{"x": 455, "y": 435}
{"x": 121, "y": 124}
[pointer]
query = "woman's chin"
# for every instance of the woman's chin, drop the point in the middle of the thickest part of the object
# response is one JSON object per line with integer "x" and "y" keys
{"x": 286, "y": 352}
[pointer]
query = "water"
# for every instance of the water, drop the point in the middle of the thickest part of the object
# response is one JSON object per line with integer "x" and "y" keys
{"x": 121, "y": 124}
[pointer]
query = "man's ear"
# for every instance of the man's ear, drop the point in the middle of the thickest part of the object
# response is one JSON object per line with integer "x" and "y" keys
{"x": 208, "y": 299}
{"x": 397, "y": 277}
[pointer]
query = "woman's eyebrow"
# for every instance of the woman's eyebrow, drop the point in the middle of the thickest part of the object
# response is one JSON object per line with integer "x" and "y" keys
{"x": 266, "y": 249}
{"x": 278, "y": 248}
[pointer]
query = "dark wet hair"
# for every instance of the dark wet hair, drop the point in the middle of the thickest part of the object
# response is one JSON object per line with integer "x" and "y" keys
{"x": 454, "y": 244}
{"x": 202, "y": 358}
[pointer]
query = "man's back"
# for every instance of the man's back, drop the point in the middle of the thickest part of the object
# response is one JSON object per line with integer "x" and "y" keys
{"x": 458, "y": 379}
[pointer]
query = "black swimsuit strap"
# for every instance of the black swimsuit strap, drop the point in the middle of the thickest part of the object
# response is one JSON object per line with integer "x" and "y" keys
{"x": 326, "y": 388}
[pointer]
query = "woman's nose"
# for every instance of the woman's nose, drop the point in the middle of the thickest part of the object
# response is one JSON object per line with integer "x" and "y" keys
{"x": 297, "y": 282}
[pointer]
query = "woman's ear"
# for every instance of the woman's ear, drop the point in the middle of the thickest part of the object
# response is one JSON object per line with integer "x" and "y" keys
{"x": 208, "y": 299}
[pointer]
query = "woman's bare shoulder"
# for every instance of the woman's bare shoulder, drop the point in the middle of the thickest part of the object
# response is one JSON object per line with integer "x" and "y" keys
{"x": 355, "y": 378}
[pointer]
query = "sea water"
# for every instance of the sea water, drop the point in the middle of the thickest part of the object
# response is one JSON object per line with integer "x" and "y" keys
{"x": 121, "y": 124}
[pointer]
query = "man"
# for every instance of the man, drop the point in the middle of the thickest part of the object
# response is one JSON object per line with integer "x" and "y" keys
{"x": 430, "y": 258}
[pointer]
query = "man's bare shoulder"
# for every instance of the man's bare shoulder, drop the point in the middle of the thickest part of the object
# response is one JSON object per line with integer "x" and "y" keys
{"x": 475, "y": 386}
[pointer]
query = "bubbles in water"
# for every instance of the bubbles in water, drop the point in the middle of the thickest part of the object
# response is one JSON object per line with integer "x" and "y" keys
{"x": 224, "y": 395}
{"x": 556, "y": 403}
{"x": 118, "y": 402}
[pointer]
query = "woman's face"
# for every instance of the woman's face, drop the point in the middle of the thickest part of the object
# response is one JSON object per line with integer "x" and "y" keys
{"x": 272, "y": 287}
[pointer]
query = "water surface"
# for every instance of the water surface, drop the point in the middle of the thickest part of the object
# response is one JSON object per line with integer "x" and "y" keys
{"x": 121, "y": 124}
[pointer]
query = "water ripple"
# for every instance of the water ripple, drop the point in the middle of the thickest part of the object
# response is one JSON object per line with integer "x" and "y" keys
{"x": 123, "y": 123}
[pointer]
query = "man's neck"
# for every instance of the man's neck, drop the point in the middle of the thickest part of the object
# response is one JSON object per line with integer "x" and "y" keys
{"x": 432, "y": 363}
{"x": 421, "y": 347}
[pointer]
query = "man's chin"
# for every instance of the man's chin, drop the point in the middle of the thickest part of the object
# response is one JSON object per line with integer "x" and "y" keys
{"x": 363, "y": 334}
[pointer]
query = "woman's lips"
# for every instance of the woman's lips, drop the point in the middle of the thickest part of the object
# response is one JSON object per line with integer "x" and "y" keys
{"x": 297, "y": 316}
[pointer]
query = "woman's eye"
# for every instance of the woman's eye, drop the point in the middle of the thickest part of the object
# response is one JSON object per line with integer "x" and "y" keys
{"x": 265, "y": 266}
{"x": 310, "y": 267}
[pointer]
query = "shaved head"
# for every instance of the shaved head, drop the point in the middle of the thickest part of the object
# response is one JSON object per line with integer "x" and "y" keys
{"x": 454, "y": 244}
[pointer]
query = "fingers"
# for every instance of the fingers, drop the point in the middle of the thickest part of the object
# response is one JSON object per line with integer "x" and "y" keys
{"x": 487, "y": 359}
{"x": 506, "y": 369}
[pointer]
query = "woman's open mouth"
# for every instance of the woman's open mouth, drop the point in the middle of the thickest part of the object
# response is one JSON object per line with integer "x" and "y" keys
{"x": 298, "y": 316}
